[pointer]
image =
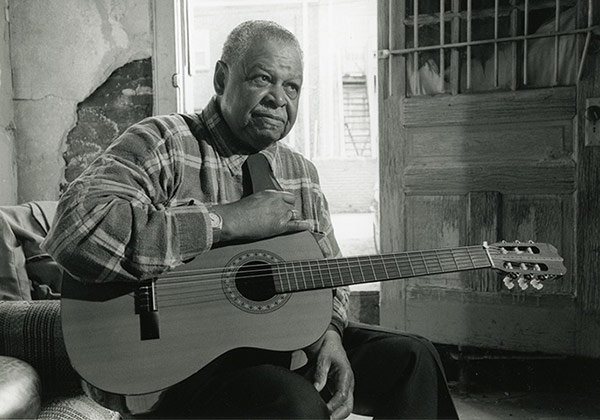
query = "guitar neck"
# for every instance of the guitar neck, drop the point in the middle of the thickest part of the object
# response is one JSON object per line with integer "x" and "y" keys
{"x": 297, "y": 276}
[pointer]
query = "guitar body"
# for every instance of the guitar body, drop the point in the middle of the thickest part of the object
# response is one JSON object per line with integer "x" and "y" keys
{"x": 198, "y": 318}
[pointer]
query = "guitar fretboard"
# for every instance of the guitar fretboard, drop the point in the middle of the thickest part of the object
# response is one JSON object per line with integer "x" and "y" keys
{"x": 320, "y": 274}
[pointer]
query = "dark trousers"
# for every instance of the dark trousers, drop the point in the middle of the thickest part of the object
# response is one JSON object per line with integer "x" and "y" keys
{"x": 397, "y": 376}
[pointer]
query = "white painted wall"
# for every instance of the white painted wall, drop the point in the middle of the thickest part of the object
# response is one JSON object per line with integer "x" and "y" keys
{"x": 60, "y": 52}
{"x": 8, "y": 169}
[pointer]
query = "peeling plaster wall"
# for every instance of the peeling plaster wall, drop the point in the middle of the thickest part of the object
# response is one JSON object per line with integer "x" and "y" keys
{"x": 124, "y": 99}
{"x": 61, "y": 51}
{"x": 8, "y": 170}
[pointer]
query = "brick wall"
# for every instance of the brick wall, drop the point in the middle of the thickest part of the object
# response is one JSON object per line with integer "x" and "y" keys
{"x": 349, "y": 184}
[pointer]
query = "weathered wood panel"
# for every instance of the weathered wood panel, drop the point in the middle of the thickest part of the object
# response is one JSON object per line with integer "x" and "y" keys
{"x": 435, "y": 222}
{"x": 521, "y": 143}
{"x": 502, "y": 321}
{"x": 484, "y": 223}
{"x": 499, "y": 107}
{"x": 543, "y": 218}
{"x": 501, "y": 175}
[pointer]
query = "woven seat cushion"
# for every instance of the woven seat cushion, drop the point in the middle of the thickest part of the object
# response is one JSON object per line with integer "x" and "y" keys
{"x": 20, "y": 389}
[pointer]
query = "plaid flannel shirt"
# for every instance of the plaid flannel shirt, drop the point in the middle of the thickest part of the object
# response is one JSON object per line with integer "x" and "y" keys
{"x": 141, "y": 207}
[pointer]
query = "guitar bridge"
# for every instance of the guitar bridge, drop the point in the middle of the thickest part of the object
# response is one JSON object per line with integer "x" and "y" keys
{"x": 146, "y": 306}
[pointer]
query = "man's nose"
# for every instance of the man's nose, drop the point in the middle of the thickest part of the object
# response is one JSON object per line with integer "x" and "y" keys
{"x": 277, "y": 95}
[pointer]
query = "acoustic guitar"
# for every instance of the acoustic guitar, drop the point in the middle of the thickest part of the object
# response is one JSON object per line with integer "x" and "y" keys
{"x": 132, "y": 342}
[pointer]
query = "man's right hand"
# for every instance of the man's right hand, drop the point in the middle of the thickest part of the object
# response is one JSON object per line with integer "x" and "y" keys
{"x": 261, "y": 215}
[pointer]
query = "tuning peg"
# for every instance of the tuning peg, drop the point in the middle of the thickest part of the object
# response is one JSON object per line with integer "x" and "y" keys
{"x": 523, "y": 284}
{"x": 508, "y": 282}
{"x": 530, "y": 242}
{"x": 536, "y": 284}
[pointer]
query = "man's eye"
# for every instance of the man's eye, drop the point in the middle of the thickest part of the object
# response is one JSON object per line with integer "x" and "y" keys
{"x": 291, "y": 91}
{"x": 262, "y": 80}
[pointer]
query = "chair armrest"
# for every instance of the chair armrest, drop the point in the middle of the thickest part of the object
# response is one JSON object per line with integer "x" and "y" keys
{"x": 31, "y": 331}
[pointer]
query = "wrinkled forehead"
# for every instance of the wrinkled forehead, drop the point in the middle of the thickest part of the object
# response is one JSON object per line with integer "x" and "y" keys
{"x": 261, "y": 46}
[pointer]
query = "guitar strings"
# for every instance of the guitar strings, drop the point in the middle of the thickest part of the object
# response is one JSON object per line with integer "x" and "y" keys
{"x": 434, "y": 256}
{"x": 209, "y": 293}
{"x": 351, "y": 263}
{"x": 344, "y": 267}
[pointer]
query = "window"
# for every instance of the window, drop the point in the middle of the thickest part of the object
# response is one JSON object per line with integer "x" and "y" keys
{"x": 461, "y": 46}
{"x": 336, "y": 126}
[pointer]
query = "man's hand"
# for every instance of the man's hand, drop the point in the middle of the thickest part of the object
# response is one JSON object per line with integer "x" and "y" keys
{"x": 261, "y": 215}
{"x": 332, "y": 368}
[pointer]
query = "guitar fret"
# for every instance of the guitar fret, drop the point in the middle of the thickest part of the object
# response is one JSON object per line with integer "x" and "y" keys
{"x": 302, "y": 271}
{"x": 386, "y": 274}
{"x": 312, "y": 275}
{"x": 454, "y": 258}
{"x": 379, "y": 268}
{"x": 297, "y": 271}
{"x": 349, "y": 269}
{"x": 412, "y": 269}
{"x": 340, "y": 271}
{"x": 397, "y": 266}
{"x": 424, "y": 262}
{"x": 289, "y": 267}
{"x": 470, "y": 257}
{"x": 440, "y": 260}
{"x": 445, "y": 262}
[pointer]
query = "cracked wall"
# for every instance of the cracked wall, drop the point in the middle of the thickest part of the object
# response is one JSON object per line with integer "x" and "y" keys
{"x": 125, "y": 98}
{"x": 61, "y": 52}
{"x": 8, "y": 169}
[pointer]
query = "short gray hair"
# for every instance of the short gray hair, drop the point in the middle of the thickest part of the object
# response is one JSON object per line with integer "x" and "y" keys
{"x": 241, "y": 37}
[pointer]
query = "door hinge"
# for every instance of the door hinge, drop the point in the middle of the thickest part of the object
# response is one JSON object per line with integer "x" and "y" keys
{"x": 175, "y": 80}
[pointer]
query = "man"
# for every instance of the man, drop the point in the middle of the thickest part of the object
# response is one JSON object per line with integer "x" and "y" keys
{"x": 172, "y": 187}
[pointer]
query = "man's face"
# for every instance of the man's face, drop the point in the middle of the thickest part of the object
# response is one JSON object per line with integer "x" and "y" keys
{"x": 260, "y": 93}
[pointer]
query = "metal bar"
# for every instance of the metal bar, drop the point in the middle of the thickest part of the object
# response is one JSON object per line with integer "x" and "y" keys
{"x": 513, "y": 31}
{"x": 416, "y": 75}
{"x": 390, "y": 43}
{"x": 454, "y": 55}
{"x": 496, "y": 76}
{"x": 469, "y": 39}
{"x": 525, "y": 44}
{"x": 556, "y": 37}
{"x": 442, "y": 41}
{"x": 488, "y": 41}
{"x": 587, "y": 40}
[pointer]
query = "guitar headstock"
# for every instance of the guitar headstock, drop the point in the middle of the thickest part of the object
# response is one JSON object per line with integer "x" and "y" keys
{"x": 527, "y": 263}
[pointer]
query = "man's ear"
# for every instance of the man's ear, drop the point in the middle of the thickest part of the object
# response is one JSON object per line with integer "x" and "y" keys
{"x": 220, "y": 78}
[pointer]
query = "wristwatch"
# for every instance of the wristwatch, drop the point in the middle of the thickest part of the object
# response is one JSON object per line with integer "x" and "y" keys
{"x": 216, "y": 222}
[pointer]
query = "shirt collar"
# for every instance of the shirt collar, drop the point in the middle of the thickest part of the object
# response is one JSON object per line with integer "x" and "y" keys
{"x": 225, "y": 144}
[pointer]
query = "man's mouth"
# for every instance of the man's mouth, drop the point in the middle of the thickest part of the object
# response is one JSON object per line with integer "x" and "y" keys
{"x": 269, "y": 116}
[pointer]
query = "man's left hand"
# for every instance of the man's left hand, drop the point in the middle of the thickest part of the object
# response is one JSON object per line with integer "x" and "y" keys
{"x": 332, "y": 368}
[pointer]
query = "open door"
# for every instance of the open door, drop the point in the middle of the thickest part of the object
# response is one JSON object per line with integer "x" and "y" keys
{"x": 480, "y": 141}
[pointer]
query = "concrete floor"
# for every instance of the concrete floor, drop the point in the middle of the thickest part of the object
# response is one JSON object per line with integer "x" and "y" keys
{"x": 530, "y": 405}
{"x": 498, "y": 404}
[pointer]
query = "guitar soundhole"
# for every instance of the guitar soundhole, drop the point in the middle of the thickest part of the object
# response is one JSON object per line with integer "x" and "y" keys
{"x": 254, "y": 281}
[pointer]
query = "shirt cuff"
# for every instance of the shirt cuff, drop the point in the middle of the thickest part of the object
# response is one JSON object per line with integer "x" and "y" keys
{"x": 337, "y": 326}
{"x": 193, "y": 230}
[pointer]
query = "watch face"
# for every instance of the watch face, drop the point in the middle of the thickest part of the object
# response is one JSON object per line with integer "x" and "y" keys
{"x": 215, "y": 220}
